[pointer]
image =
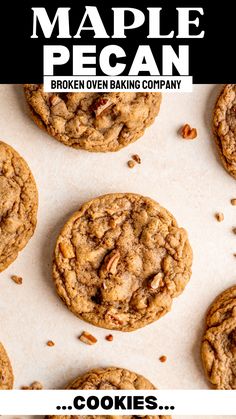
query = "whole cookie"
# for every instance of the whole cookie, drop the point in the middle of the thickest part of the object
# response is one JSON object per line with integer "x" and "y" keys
{"x": 93, "y": 121}
{"x": 224, "y": 122}
{"x": 18, "y": 204}
{"x": 110, "y": 379}
{"x": 120, "y": 260}
{"x": 6, "y": 373}
{"x": 219, "y": 341}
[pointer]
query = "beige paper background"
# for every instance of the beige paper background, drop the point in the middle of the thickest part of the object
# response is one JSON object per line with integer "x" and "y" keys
{"x": 185, "y": 177}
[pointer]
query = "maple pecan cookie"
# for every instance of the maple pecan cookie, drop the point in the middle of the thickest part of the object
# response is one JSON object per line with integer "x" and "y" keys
{"x": 18, "y": 204}
{"x": 93, "y": 121}
{"x": 6, "y": 373}
{"x": 219, "y": 341}
{"x": 224, "y": 123}
{"x": 110, "y": 379}
{"x": 120, "y": 260}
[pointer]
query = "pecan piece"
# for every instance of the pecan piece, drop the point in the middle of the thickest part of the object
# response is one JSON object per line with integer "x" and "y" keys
{"x": 112, "y": 262}
{"x": 87, "y": 338}
{"x": 188, "y": 133}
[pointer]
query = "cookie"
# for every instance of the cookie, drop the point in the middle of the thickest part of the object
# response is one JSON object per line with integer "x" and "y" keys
{"x": 219, "y": 341}
{"x": 93, "y": 121}
{"x": 120, "y": 260}
{"x": 18, "y": 204}
{"x": 110, "y": 379}
{"x": 6, "y": 373}
{"x": 224, "y": 125}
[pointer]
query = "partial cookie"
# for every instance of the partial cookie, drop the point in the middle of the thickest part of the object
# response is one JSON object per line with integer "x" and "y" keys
{"x": 18, "y": 204}
{"x": 6, "y": 373}
{"x": 110, "y": 379}
{"x": 120, "y": 260}
{"x": 93, "y": 121}
{"x": 219, "y": 341}
{"x": 224, "y": 123}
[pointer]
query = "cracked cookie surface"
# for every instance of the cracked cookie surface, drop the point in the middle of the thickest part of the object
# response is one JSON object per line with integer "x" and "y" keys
{"x": 6, "y": 373}
{"x": 219, "y": 341}
{"x": 120, "y": 260}
{"x": 93, "y": 121}
{"x": 18, "y": 204}
{"x": 224, "y": 124}
{"x": 110, "y": 379}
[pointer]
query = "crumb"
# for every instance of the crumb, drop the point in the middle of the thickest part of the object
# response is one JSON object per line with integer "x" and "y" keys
{"x": 136, "y": 158}
{"x": 163, "y": 358}
{"x": 36, "y": 385}
{"x": 188, "y": 133}
{"x": 233, "y": 201}
{"x": 131, "y": 164}
{"x": 109, "y": 338}
{"x": 50, "y": 343}
{"x": 17, "y": 279}
{"x": 87, "y": 338}
{"x": 219, "y": 216}
{"x": 234, "y": 230}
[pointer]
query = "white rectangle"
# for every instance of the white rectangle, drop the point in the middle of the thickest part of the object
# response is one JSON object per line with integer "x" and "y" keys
{"x": 118, "y": 84}
{"x": 184, "y": 402}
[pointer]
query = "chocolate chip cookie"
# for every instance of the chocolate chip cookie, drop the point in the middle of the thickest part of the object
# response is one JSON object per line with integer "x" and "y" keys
{"x": 18, "y": 204}
{"x": 120, "y": 260}
{"x": 224, "y": 123}
{"x": 93, "y": 121}
{"x": 6, "y": 373}
{"x": 110, "y": 379}
{"x": 219, "y": 341}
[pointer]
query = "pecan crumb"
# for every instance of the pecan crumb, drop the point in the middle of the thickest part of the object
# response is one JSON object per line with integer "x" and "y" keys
{"x": 17, "y": 279}
{"x": 219, "y": 216}
{"x": 36, "y": 385}
{"x": 131, "y": 164}
{"x": 109, "y": 338}
{"x": 234, "y": 230}
{"x": 233, "y": 201}
{"x": 87, "y": 338}
{"x": 136, "y": 158}
{"x": 50, "y": 343}
{"x": 163, "y": 358}
{"x": 188, "y": 133}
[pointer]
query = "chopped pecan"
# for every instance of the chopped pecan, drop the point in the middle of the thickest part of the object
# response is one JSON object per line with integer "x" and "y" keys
{"x": 109, "y": 338}
{"x": 156, "y": 281}
{"x": 66, "y": 250}
{"x": 87, "y": 338}
{"x": 131, "y": 164}
{"x": 17, "y": 279}
{"x": 100, "y": 105}
{"x": 50, "y": 343}
{"x": 188, "y": 133}
{"x": 219, "y": 216}
{"x": 136, "y": 158}
{"x": 112, "y": 262}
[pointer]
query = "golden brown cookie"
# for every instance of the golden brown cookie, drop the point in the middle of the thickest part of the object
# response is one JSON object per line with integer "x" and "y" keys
{"x": 18, "y": 204}
{"x": 6, "y": 373}
{"x": 110, "y": 379}
{"x": 224, "y": 125}
{"x": 93, "y": 121}
{"x": 219, "y": 341}
{"x": 120, "y": 260}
